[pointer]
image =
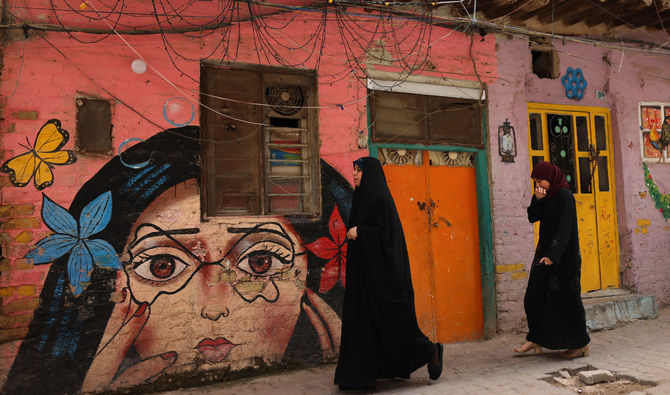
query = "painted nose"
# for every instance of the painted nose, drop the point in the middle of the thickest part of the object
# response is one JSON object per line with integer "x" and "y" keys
{"x": 214, "y": 313}
{"x": 216, "y": 292}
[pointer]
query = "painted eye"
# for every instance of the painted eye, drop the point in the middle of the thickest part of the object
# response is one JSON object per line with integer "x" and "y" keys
{"x": 266, "y": 259}
{"x": 260, "y": 263}
{"x": 161, "y": 267}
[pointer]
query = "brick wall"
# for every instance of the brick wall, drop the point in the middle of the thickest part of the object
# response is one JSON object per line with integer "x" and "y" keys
{"x": 643, "y": 266}
{"x": 71, "y": 325}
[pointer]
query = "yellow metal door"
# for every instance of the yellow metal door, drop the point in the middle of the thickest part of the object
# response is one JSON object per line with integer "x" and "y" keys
{"x": 578, "y": 140}
{"x": 603, "y": 186}
{"x": 437, "y": 202}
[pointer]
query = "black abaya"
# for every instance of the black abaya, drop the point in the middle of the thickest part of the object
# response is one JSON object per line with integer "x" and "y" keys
{"x": 553, "y": 304}
{"x": 380, "y": 334}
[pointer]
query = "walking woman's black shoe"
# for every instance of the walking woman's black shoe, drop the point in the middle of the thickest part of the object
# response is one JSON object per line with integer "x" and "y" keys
{"x": 435, "y": 369}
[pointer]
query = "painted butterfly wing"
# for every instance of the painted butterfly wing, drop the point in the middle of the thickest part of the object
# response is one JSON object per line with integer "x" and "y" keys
{"x": 39, "y": 160}
{"x": 51, "y": 137}
{"x": 21, "y": 168}
{"x": 63, "y": 157}
{"x": 44, "y": 177}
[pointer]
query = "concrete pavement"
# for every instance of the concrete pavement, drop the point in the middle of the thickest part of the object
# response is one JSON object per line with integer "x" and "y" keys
{"x": 638, "y": 353}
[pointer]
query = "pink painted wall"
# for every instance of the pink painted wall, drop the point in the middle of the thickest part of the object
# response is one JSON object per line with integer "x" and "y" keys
{"x": 39, "y": 83}
{"x": 640, "y": 78}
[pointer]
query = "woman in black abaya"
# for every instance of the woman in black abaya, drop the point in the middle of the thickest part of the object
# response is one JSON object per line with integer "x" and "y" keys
{"x": 553, "y": 304}
{"x": 380, "y": 334}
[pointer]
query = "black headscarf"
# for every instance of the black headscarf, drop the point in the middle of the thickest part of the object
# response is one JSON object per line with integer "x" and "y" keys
{"x": 373, "y": 187}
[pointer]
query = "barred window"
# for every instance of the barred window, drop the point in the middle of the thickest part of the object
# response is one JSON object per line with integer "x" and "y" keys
{"x": 260, "y": 141}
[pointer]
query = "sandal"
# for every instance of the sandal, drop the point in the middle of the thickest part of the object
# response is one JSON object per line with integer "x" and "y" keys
{"x": 527, "y": 346}
{"x": 576, "y": 352}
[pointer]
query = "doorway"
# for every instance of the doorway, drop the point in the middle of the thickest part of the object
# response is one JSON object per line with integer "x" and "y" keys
{"x": 435, "y": 193}
{"x": 579, "y": 141}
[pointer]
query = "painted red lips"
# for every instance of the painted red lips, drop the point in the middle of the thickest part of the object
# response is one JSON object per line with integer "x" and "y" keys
{"x": 215, "y": 350}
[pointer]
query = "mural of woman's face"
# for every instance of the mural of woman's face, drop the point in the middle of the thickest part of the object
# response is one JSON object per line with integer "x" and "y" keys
{"x": 219, "y": 292}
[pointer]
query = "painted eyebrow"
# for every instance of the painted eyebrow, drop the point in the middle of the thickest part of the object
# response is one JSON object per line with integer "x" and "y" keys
{"x": 261, "y": 228}
{"x": 161, "y": 232}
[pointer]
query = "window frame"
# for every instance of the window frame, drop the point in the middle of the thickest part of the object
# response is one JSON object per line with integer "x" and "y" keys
{"x": 429, "y": 94}
{"x": 310, "y": 175}
{"x": 664, "y": 111}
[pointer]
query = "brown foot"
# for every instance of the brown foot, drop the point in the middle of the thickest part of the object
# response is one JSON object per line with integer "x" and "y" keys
{"x": 527, "y": 346}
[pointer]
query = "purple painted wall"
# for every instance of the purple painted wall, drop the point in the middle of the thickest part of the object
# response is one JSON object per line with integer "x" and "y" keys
{"x": 626, "y": 81}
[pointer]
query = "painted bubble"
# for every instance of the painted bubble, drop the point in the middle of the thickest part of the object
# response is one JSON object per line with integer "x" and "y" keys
{"x": 138, "y": 66}
{"x": 179, "y": 111}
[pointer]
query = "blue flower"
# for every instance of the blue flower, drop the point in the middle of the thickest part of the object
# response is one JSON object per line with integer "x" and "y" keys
{"x": 74, "y": 238}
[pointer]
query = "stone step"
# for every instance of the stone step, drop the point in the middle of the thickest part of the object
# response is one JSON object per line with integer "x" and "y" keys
{"x": 605, "y": 309}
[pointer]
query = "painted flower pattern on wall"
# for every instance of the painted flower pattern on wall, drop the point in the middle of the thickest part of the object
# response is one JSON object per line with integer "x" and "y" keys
{"x": 334, "y": 249}
{"x": 73, "y": 237}
{"x": 661, "y": 200}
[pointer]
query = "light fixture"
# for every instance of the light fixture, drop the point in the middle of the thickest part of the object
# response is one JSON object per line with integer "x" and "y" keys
{"x": 506, "y": 142}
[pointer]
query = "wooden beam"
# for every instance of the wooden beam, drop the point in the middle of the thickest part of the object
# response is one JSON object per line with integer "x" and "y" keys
{"x": 603, "y": 10}
{"x": 665, "y": 25}
{"x": 633, "y": 14}
{"x": 611, "y": 13}
{"x": 530, "y": 13}
{"x": 555, "y": 9}
{"x": 649, "y": 17}
{"x": 569, "y": 9}
{"x": 513, "y": 8}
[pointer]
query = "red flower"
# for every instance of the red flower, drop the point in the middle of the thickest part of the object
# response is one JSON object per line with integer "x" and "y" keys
{"x": 335, "y": 250}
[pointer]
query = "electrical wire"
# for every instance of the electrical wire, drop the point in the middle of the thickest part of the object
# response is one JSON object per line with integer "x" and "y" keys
{"x": 179, "y": 89}
{"x": 390, "y": 26}
{"x": 326, "y": 106}
{"x": 439, "y": 19}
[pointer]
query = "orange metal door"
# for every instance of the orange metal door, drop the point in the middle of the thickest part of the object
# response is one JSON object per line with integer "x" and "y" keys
{"x": 437, "y": 204}
{"x": 408, "y": 187}
{"x": 455, "y": 244}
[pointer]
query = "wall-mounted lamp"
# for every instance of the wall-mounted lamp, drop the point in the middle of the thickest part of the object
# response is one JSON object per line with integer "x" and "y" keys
{"x": 506, "y": 142}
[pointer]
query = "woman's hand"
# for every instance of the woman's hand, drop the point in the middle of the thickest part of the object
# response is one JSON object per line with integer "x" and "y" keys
{"x": 352, "y": 234}
{"x": 127, "y": 320}
{"x": 326, "y": 323}
{"x": 546, "y": 261}
{"x": 540, "y": 193}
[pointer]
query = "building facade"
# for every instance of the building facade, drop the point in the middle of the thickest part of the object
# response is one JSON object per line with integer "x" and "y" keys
{"x": 176, "y": 182}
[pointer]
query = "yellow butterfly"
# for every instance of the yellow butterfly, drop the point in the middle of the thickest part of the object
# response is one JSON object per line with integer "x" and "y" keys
{"x": 643, "y": 194}
{"x": 40, "y": 158}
